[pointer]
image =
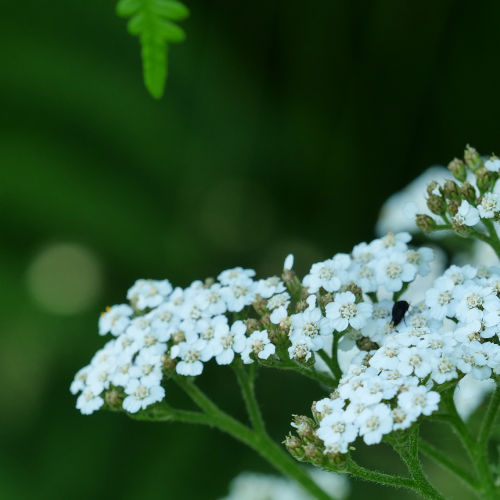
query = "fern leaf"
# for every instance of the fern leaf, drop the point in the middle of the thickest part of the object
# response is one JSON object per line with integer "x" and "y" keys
{"x": 152, "y": 22}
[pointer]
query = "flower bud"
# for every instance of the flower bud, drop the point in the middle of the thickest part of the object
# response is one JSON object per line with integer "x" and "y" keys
{"x": 484, "y": 179}
{"x": 294, "y": 446}
{"x": 365, "y": 344}
{"x": 208, "y": 283}
{"x": 167, "y": 362}
{"x": 467, "y": 192}
{"x": 292, "y": 282}
{"x": 178, "y": 337}
{"x": 315, "y": 413}
{"x": 472, "y": 158}
{"x": 461, "y": 229}
{"x": 326, "y": 299}
{"x": 453, "y": 206}
{"x": 425, "y": 223}
{"x": 313, "y": 454}
{"x": 305, "y": 428}
{"x": 252, "y": 325}
{"x": 259, "y": 305}
{"x": 354, "y": 289}
{"x": 431, "y": 189}
{"x": 113, "y": 398}
{"x": 436, "y": 204}
{"x": 301, "y": 306}
{"x": 277, "y": 337}
{"x": 457, "y": 168}
{"x": 451, "y": 190}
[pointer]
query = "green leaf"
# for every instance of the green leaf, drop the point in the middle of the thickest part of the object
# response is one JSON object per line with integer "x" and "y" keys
{"x": 151, "y": 21}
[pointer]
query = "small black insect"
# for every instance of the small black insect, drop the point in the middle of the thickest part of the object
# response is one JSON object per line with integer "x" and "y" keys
{"x": 398, "y": 311}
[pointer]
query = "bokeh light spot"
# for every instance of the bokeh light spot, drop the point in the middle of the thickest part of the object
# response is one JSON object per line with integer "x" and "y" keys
{"x": 65, "y": 279}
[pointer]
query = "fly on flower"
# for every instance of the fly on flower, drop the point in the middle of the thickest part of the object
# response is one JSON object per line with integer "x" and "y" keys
{"x": 399, "y": 310}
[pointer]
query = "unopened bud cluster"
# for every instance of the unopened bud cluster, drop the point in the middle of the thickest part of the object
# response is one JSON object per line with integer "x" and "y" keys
{"x": 461, "y": 204}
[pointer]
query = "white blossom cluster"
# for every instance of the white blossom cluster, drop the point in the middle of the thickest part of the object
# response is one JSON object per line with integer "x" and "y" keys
{"x": 192, "y": 325}
{"x": 389, "y": 388}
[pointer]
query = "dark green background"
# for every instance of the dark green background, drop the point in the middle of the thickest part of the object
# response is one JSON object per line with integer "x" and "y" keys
{"x": 284, "y": 127}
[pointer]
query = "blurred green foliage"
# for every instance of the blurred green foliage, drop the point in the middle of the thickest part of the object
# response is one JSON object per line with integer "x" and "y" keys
{"x": 283, "y": 129}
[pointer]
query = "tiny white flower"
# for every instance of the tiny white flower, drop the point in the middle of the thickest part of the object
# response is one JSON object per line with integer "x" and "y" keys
{"x": 149, "y": 293}
{"x": 301, "y": 349}
{"x": 443, "y": 369}
{"x": 141, "y": 394}
{"x": 489, "y": 206}
{"x": 115, "y": 320}
{"x": 147, "y": 366}
{"x": 228, "y": 341}
{"x": 215, "y": 300}
{"x": 493, "y": 164}
{"x": 414, "y": 360}
{"x": 260, "y": 345}
{"x": 192, "y": 357}
{"x": 441, "y": 299}
{"x": 394, "y": 270}
{"x": 392, "y": 243}
{"x": 280, "y": 317}
{"x": 279, "y": 300}
{"x": 403, "y": 418}
{"x": 330, "y": 274}
{"x": 375, "y": 422}
{"x": 467, "y": 214}
{"x": 344, "y": 311}
{"x": 418, "y": 400}
{"x": 334, "y": 428}
{"x": 421, "y": 258}
{"x": 270, "y": 286}
{"x": 231, "y": 275}
{"x": 311, "y": 324}
{"x": 90, "y": 400}
{"x": 240, "y": 293}
{"x": 79, "y": 383}
{"x": 326, "y": 406}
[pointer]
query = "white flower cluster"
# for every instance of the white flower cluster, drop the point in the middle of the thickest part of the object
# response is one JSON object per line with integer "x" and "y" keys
{"x": 191, "y": 324}
{"x": 388, "y": 388}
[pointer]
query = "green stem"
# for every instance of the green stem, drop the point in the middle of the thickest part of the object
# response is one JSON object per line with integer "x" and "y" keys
{"x": 247, "y": 386}
{"x": 335, "y": 356}
{"x": 261, "y": 443}
{"x": 403, "y": 290}
{"x": 331, "y": 362}
{"x": 379, "y": 477}
{"x": 489, "y": 420}
{"x": 493, "y": 239}
{"x": 409, "y": 455}
{"x": 441, "y": 459}
{"x": 477, "y": 453}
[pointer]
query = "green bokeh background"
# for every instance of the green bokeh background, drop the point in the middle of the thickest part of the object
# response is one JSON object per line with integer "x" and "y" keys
{"x": 284, "y": 127}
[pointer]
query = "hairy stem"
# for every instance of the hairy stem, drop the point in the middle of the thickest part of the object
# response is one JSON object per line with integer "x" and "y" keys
{"x": 440, "y": 458}
{"x": 493, "y": 239}
{"x": 331, "y": 363}
{"x": 260, "y": 442}
{"x": 335, "y": 357}
{"x": 476, "y": 452}
{"x": 379, "y": 477}
{"x": 489, "y": 420}
{"x": 409, "y": 453}
{"x": 247, "y": 386}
